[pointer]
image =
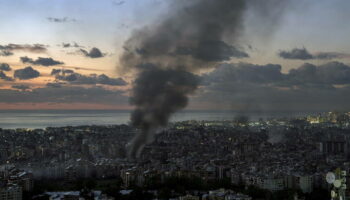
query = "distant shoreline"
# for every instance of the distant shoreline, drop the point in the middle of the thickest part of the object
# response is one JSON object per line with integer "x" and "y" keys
{"x": 32, "y": 119}
{"x": 130, "y": 110}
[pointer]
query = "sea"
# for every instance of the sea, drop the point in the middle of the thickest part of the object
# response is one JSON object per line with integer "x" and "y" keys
{"x": 32, "y": 119}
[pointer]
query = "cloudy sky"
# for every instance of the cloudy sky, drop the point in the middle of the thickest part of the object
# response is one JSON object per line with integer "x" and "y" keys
{"x": 65, "y": 54}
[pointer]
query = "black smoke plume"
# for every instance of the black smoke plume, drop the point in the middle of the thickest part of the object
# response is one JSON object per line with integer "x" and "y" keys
{"x": 156, "y": 100}
{"x": 196, "y": 34}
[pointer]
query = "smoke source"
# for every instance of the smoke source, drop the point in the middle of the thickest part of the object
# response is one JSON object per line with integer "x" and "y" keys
{"x": 157, "y": 94}
{"x": 197, "y": 34}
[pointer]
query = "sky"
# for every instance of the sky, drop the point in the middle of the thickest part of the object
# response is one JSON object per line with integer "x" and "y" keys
{"x": 66, "y": 54}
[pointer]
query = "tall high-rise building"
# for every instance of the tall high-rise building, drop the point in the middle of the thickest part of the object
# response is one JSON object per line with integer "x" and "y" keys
{"x": 334, "y": 147}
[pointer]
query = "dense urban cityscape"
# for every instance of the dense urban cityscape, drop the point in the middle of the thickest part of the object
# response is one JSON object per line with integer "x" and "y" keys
{"x": 234, "y": 160}
{"x": 174, "y": 100}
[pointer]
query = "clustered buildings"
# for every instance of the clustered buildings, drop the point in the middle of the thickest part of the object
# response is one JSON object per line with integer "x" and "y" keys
{"x": 275, "y": 154}
{"x": 13, "y": 182}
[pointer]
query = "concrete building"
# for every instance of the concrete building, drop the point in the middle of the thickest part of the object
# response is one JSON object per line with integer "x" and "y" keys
{"x": 272, "y": 184}
{"x": 12, "y": 192}
{"x": 334, "y": 147}
{"x": 189, "y": 197}
{"x": 305, "y": 183}
{"x": 222, "y": 194}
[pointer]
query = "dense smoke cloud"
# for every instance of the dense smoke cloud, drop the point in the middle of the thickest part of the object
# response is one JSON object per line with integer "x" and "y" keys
{"x": 156, "y": 100}
{"x": 197, "y": 34}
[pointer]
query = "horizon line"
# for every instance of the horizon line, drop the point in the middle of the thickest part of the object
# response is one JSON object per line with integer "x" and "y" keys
{"x": 185, "y": 110}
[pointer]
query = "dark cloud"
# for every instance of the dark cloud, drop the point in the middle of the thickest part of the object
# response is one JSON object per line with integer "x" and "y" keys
{"x": 330, "y": 55}
{"x": 332, "y": 73}
{"x": 3, "y": 76}
{"x": 64, "y": 94}
{"x": 67, "y": 71}
{"x": 61, "y": 20}
{"x": 60, "y": 71}
{"x": 41, "y": 61}
{"x": 304, "y": 54}
{"x": 35, "y": 48}
{"x": 54, "y": 85}
{"x": 92, "y": 79}
{"x": 104, "y": 79}
{"x": 5, "y": 53}
{"x": 68, "y": 45}
{"x": 26, "y": 73}
{"x": 55, "y": 71}
{"x": 246, "y": 73}
{"x": 93, "y": 53}
{"x": 21, "y": 87}
{"x": 248, "y": 87}
{"x": 69, "y": 77}
{"x": 301, "y": 54}
{"x": 5, "y": 67}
